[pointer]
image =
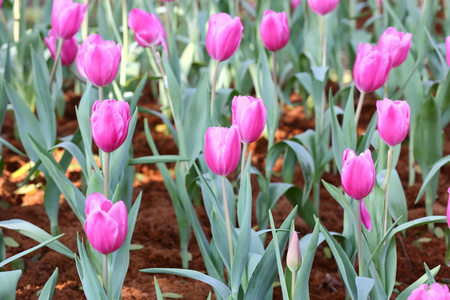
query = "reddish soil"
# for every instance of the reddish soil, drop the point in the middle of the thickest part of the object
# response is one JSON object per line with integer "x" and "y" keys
{"x": 157, "y": 231}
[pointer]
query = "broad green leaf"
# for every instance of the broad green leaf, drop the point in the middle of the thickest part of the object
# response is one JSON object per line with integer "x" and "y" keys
{"x": 8, "y": 284}
{"x": 433, "y": 171}
{"x": 49, "y": 287}
{"x": 363, "y": 286}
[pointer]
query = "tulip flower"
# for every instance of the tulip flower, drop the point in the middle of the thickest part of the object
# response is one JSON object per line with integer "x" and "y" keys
{"x": 295, "y": 3}
{"x": 447, "y": 46}
{"x": 396, "y": 43}
{"x": 249, "y": 114}
{"x": 106, "y": 223}
{"x": 224, "y": 36}
{"x": 358, "y": 174}
{"x": 67, "y": 17}
{"x": 109, "y": 123}
{"x": 393, "y": 120}
{"x": 148, "y": 29}
{"x": 322, "y": 7}
{"x": 434, "y": 291}
{"x": 365, "y": 216}
{"x": 372, "y": 67}
{"x": 274, "y": 30}
{"x": 98, "y": 60}
{"x": 222, "y": 149}
{"x": 68, "y": 50}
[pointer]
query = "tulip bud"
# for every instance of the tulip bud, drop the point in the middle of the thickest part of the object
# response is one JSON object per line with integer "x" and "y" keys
{"x": 67, "y": 17}
{"x": 249, "y": 114}
{"x": 224, "y": 36}
{"x": 447, "y": 46}
{"x": 323, "y": 7}
{"x": 68, "y": 50}
{"x": 371, "y": 69}
{"x": 294, "y": 255}
{"x": 109, "y": 123}
{"x": 222, "y": 149}
{"x": 295, "y": 3}
{"x": 106, "y": 223}
{"x": 99, "y": 60}
{"x": 396, "y": 43}
{"x": 434, "y": 291}
{"x": 365, "y": 216}
{"x": 392, "y": 120}
{"x": 358, "y": 174}
{"x": 148, "y": 29}
{"x": 274, "y": 30}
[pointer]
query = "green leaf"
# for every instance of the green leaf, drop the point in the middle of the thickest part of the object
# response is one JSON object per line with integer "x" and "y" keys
{"x": 8, "y": 284}
{"x": 49, "y": 287}
{"x": 159, "y": 296}
{"x": 407, "y": 292}
{"x": 278, "y": 257}
{"x": 364, "y": 285}
{"x": 10, "y": 242}
{"x": 431, "y": 174}
{"x": 157, "y": 159}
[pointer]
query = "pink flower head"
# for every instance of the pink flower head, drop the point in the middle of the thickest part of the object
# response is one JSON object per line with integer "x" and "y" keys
{"x": 295, "y": 3}
{"x": 365, "y": 216}
{"x": 67, "y": 17}
{"x": 106, "y": 223}
{"x": 274, "y": 30}
{"x": 432, "y": 292}
{"x": 99, "y": 60}
{"x": 249, "y": 114}
{"x": 294, "y": 255}
{"x": 322, "y": 7}
{"x": 68, "y": 50}
{"x": 372, "y": 67}
{"x": 148, "y": 29}
{"x": 447, "y": 47}
{"x": 222, "y": 149}
{"x": 224, "y": 36}
{"x": 358, "y": 174}
{"x": 393, "y": 120}
{"x": 109, "y": 123}
{"x": 396, "y": 43}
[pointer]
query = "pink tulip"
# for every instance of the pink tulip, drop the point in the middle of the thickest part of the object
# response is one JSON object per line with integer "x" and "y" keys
{"x": 148, "y": 29}
{"x": 358, "y": 174}
{"x": 323, "y": 7}
{"x": 396, "y": 43}
{"x": 106, "y": 223}
{"x": 448, "y": 208}
{"x": 393, "y": 120}
{"x": 99, "y": 60}
{"x": 433, "y": 292}
{"x": 68, "y": 50}
{"x": 109, "y": 123}
{"x": 224, "y": 36}
{"x": 249, "y": 114}
{"x": 294, "y": 255}
{"x": 365, "y": 216}
{"x": 67, "y": 17}
{"x": 371, "y": 69}
{"x": 274, "y": 30}
{"x": 295, "y": 3}
{"x": 222, "y": 149}
{"x": 447, "y": 46}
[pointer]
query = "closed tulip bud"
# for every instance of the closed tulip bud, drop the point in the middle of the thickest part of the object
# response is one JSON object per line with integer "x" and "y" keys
{"x": 294, "y": 255}
{"x": 365, "y": 216}
{"x": 295, "y": 3}
{"x": 323, "y": 7}
{"x": 67, "y": 17}
{"x": 222, "y": 149}
{"x": 106, "y": 223}
{"x": 274, "y": 30}
{"x": 396, "y": 43}
{"x": 371, "y": 69}
{"x": 109, "y": 123}
{"x": 447, "y": 46}
{"x": 99, "y": 60}
{"x": 358, "y": 174}
{"x": 68, "y": 50}
{"x": 249, "y": 114}
{"x": 434, "y": 291}
{"x": 148, "y": 29}
{"x": 393, "y": 120}
{"x": 224, "y": 36}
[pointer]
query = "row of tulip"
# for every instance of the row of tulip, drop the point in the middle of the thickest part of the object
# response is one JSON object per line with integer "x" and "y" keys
{"x": 109, "y": 223}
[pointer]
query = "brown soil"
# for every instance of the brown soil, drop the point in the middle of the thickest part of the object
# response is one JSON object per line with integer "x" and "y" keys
{"x": 157, "y": 231}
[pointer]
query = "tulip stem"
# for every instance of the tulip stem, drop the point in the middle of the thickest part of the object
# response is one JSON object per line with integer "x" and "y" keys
{"x": 213, "y": 88}
{"x": 105, "y": 273}
{"x": 324, "y": 41}
{"x": 244, "y": 158}
{"x": 123, "y": 65}
{"x": 358, "y": 109}
{"x": 16, "y": 26}
{"x": 293, "y": 283}
{"x": 59, "y": 43}
{"x": 386, "y": 186}
{"x": 100, "y": 93}
{"x": 167, "y": 15}
{"x": 106, "y": 173}
{"x": 227, "y": 219}
{"x": 84, "y": 25}
{"x": 236, "y": 7}
{"x": 274, "y": 74}
{"x": 360, "y": 252}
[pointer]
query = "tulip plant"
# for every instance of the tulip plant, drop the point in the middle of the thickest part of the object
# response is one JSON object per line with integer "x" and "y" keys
{"x": 224, "y": 72}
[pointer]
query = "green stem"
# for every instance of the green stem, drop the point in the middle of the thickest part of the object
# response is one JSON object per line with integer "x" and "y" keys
{"x": 386, "y": 186}
{"x": 324, "y": 63}
{"x": 244, "y": 158}
{"x": 294, "y": 282}
{"x": 59, "y": 43}
{"x": 360, "y": 252}
{"x": 84, "y": 25}
{"x": 213, "y": 88}
{"x": 100, "y": 93}
{"x": 16, "y": 14}
{"x": 227, "y": 219}
{"x": 412, "y": 171}
{"x": 352, "y": 16}
{"x": 168, "y": 27}
{"x": 316, "y": 196}
{"x": 274, "y": 74}
{"x": 106, "y": 156}
{"x": 105, "y": 273}
{"x": 124, "y": 58}
{"x": 358, "y": 109}
{"x": 112, "y": 22}
{"x": 236, "y": 7}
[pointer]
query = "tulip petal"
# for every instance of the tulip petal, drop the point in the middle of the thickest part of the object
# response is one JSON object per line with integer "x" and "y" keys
{"x": 102, "y": 231}
{"x": 365, "y": 216}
